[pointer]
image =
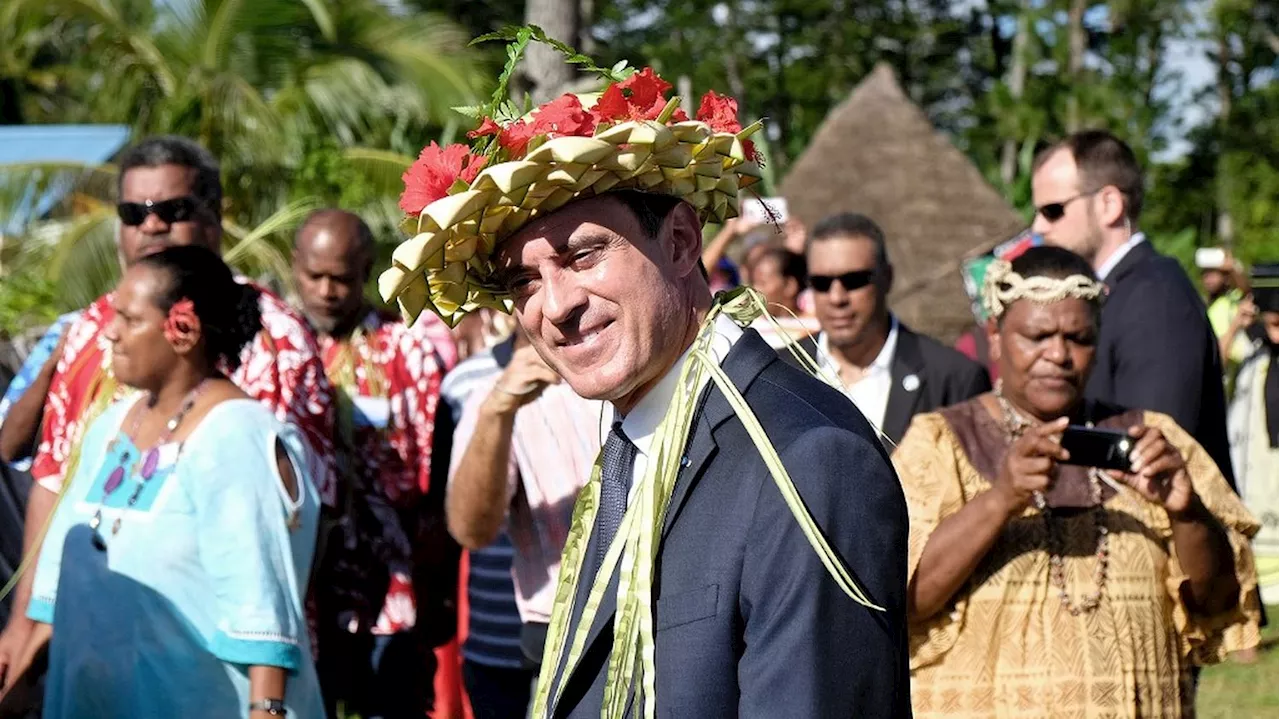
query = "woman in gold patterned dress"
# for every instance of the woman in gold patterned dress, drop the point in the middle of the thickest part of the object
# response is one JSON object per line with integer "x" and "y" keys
{"x": 1044, "y": 589}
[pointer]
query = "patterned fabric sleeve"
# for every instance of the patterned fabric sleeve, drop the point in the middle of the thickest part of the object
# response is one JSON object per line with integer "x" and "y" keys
{"x": 1208, "y": 640}
{"x": 243, "y": 538}
{"x": 415, "y": 399}
{"x": 926, "y": 463}
{"x": 68, "y": 400}
{"x": 283, "y": 370}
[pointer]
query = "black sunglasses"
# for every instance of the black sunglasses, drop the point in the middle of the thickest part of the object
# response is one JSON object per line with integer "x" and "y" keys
{"x": 1055, "y": 210}
{"x": 178, "y": 209}
{"x": 850, "y": 281}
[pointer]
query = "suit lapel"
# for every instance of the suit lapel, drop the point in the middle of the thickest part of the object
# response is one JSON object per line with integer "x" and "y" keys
{"x": 906, "y": 384}
{"x": 745, "y": 362}
{"x": 749, "y": 356}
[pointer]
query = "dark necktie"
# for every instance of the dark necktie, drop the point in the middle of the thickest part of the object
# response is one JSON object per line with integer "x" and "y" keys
{"x": 615, "y": 484}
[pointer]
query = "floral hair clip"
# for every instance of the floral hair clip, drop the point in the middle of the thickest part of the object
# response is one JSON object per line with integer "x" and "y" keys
{"x": 182, "y": 321}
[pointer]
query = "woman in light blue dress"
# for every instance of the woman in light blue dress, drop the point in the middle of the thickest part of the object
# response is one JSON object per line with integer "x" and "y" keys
{"x": 172, "y": 575}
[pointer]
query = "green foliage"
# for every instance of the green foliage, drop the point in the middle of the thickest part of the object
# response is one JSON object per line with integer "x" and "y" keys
{"x": 500, "y": 107}
{"x": 26, "y": 301}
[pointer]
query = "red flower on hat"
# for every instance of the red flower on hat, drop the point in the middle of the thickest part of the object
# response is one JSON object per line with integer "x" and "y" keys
{"x": 434, "y": 172}
{"x": 563, "y": 117}
{"x": 611, "y": 106}
{"x": 639, "y": 97}
{"x": 645, "y": 90}
{"x": 720, "y": 112}
{"x": 515, "y": 138}
{"x": 487, "y": 127}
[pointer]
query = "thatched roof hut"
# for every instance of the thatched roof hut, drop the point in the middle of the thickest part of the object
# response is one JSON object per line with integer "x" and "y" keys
{"x": 878, "y": 154}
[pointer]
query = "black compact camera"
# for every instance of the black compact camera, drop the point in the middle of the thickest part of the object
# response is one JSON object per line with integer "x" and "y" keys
{"x": 1101, "y": 448}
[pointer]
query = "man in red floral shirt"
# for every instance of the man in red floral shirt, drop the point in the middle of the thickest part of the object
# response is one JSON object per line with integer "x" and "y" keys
{"x": 170, "y": 195}
{"x": 388, "y": 378}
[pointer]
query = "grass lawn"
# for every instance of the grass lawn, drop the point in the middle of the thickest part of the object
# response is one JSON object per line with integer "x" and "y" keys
{"x": 1243, "y": 691}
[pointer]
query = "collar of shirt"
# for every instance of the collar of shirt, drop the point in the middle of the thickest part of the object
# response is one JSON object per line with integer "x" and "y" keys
{"x": 1106, "y": 268}
{"x": 642, "y": 421}
{"x": 883, "y": 361}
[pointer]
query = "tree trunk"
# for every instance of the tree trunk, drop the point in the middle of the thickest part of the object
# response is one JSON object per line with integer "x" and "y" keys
{"x": 1017, "y": 87}
{"x": 545, "y": 68}
{"x": 1225, "y": 229}
{"x": 1075, "y": 61}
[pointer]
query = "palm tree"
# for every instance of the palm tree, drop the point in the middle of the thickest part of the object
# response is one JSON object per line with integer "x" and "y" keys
{"x": 261, "y": 83}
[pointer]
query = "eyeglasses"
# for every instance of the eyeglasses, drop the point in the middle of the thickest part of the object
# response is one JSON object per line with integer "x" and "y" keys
{"x": 178, "y": 209}
{"x": 850, "y": 281}
{"x": 1055, "y": 210}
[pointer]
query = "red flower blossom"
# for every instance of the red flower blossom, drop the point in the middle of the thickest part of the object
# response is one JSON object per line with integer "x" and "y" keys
{"x": 563, "y": 116}
{"x": 611, "y": 106}
{"x": 720, "y": 112}
{"x": 639, "y": 97}
{"x": 487, "y": 127}
{"x": 515, "y": 138}
{"x": 679, "y": 115}
{"x": 753, "y": 155}
{"x": 435, "y": 170}
{"x": 182, "y": 321}
{"x": 645, "y": 89}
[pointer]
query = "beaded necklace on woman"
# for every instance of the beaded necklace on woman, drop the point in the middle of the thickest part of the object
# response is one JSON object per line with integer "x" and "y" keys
{"x": 150, "y": 458}
{"x": 1014, "y": 425}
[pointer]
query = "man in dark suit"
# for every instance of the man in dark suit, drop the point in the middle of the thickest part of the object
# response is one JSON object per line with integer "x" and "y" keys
{"x": 1156, "y": 349}
{"x": 891, "y": 373}
{"x": 747, "y": 619}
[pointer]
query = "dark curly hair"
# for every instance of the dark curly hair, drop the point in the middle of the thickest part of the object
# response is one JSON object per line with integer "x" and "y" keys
{"x": 228, "y": 310}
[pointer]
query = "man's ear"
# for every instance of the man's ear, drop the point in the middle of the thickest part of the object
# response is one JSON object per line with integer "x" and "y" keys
{"x": 1111, "y": 211}
{"x": 685, "y": 232}
{"x": 886, "y": 273}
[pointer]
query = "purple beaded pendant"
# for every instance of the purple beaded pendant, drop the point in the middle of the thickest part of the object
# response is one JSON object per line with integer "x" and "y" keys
{"x": 114, "y": 481}
{"x": 150, "y": 462}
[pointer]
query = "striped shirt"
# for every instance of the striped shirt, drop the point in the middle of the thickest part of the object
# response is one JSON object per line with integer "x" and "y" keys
{"x": 554, "y": 444}
{"x": 493, "y": 621}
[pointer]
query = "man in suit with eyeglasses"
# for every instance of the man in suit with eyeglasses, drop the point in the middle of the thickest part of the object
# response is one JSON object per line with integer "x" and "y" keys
{"x": 889, "y": 371}
{"x": 1156, "y": 349}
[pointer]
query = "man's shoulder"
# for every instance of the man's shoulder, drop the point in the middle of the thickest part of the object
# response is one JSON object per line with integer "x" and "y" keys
{"x": 789, "y": 403}
{"x": 462, "y": 379}
{"x": 1155, "y": 272}
{"x": 282, "y": 324}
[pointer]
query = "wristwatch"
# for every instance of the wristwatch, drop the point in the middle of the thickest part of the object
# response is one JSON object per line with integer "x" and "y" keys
{"x": 273, "y": 707}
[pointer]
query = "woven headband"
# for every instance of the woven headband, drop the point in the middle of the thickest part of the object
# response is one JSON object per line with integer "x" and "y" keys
{"x": 1002, "y": 287}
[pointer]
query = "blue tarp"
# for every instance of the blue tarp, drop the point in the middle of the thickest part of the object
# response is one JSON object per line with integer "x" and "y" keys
{"x": 83, "y": 144}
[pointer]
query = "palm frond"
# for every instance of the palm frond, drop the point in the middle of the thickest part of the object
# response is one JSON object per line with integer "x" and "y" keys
{"x": 384, "y": 169}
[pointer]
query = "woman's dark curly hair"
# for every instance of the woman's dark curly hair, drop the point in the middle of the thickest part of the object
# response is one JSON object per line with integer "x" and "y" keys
{"x": 228, "y": 310}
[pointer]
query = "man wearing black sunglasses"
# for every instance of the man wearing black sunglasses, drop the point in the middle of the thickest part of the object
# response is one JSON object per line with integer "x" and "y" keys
{"x": 170, "y": 195}
{"x": 1156, "y": 349}
{"x": 890, "y": 372}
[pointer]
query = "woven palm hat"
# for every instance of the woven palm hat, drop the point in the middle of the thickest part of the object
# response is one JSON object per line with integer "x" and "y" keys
{"x": 624, "y": 138}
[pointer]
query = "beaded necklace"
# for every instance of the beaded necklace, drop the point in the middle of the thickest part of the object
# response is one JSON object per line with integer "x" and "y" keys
{"x": 1015, "y": 424}
{"x": 150, "y": 459}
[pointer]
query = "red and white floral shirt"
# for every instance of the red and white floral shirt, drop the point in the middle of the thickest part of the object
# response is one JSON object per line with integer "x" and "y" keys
{"x": 281, "y": 368}
{"x": 391, "y": 373}
{"x": 388, "y": 377}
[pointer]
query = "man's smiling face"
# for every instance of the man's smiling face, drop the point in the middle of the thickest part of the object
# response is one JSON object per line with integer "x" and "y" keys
{"x": 600, "y": 300}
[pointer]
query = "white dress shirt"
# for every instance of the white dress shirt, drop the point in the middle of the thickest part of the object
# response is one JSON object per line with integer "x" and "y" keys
{"x": 871, "y": 393}
{"x": 641, "y": 423}
{"x": 1106, "y": 268}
